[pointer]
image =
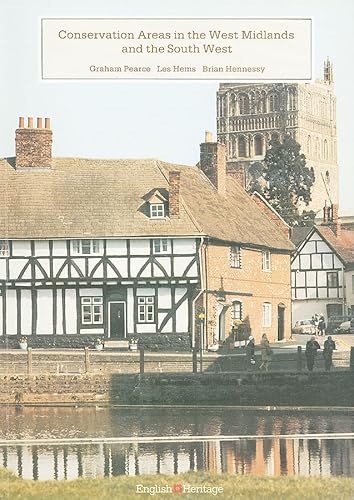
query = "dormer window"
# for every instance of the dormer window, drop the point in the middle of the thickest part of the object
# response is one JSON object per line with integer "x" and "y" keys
{"x": 157, "y": 201}
{"x": 157, "y": 210}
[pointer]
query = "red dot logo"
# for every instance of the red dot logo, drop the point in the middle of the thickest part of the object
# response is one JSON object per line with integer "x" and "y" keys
{"x": 177, "y": 488}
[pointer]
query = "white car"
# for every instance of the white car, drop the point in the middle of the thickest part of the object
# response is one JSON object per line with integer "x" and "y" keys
{"x": 304, "y": 326}
{"x": 346, "y": 327}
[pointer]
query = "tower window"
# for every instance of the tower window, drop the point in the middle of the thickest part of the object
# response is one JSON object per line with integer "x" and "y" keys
{"x": 273, "y": 102}
{"x": 258, "y": 145}
{"x": 244, "y": 104}
{"x": 242, "y": 147}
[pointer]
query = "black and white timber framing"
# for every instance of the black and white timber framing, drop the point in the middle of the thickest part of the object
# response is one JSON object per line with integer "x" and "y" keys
{"x": 317, "y": 277}
{"x": 45, "y": 284}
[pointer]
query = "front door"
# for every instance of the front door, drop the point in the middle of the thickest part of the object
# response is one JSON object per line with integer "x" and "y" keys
{"x": 117, "y": 320}
{"x": 281, "y": 310}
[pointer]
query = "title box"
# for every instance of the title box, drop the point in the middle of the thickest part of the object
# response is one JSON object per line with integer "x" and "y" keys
{"x": 205, "y": 49}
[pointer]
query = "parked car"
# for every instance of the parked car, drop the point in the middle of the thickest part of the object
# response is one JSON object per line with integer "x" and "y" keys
{"x": 334, "y": 322}
{"x": 346, "y": 327}
{"x": 304, "y": 326}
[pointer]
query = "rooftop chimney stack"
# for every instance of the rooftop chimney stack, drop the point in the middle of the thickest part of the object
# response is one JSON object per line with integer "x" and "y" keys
{"x": 331, "y": 219}
{"x": 174, "y": 180}
{"x": 33, "y": 145}
{"x": 213, "y": 162}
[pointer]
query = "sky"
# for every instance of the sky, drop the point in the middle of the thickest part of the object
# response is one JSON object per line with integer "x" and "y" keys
{"x": 154, "y": 119}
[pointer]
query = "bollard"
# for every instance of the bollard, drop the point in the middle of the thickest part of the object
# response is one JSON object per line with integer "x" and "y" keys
{"x": 351, "y": 364}
{"x": 299, "y": 358}
{"x": 87, "y": 360}
{"x": 29, "y": 361}
{"x": 142, "y": 360}
{"x": 194, "y": 360}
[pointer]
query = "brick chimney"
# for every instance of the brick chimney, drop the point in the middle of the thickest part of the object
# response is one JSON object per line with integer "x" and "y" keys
{"x": 331, "y": 219}
{"x": 33, "y": 145}
{"x": 213, "y": 162}
{"x": 174, "y": 181}
{"x": 336, "y": 226}
{"x": 239, "y": 175}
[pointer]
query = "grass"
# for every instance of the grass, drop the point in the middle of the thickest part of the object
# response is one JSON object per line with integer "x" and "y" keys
{"x": 234, "y": 487}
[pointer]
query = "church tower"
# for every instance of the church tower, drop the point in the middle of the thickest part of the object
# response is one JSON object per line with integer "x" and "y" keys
{"x": 249, "y": 116}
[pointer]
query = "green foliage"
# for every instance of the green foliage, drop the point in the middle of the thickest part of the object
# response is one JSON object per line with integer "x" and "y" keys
{"x": 288, "y": 181}
{"x": 234, "y": 487}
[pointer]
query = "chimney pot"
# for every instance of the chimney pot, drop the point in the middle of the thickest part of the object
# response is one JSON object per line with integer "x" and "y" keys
{"x": 47, "y": 123}
{"x": 208, "y": 136}
{"x": 33, "y": 145}
{"x": 21, "y": 122}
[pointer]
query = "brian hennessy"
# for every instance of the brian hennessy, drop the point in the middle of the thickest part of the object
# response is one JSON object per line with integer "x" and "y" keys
{"x": 177, "y": 69}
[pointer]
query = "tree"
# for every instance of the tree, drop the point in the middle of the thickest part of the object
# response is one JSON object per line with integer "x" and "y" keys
{"x": 287, "y": 181}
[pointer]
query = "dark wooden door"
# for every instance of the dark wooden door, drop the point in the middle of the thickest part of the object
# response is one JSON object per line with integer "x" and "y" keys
{"x": 281, "y": 310}
{"x": 117, "y": 320}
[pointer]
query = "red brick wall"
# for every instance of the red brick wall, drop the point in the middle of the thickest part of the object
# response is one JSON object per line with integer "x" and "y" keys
{"x": 273, "y": 287}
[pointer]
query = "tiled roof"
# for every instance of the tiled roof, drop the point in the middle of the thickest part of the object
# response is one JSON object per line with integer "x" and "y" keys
{"x": 107, "y": 198}
{"x": 343, "y": 244}
{"x": 299, "y": 233}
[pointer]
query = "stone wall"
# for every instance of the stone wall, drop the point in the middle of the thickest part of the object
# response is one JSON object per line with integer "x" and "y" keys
{"x": 256, "y": 389}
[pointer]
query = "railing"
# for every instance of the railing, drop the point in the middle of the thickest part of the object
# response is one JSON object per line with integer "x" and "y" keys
{"x": 82, "y": 361}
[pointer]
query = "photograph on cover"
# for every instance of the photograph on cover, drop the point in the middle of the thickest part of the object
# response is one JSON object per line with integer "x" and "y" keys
{"x": 176, "y": 249}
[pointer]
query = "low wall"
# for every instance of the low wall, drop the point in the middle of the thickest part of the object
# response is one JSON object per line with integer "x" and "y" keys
{"x": 266, "y": 389}
{"x": 80, "y": 361}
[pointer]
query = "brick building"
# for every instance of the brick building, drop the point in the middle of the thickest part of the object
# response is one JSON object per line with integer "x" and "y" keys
{"x": 122, "y": 248}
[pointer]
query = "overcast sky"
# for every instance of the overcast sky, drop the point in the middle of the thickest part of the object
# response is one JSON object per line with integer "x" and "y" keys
{"x": 163, "y": 120}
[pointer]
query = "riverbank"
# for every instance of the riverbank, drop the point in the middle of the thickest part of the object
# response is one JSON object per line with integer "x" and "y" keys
{"x": 186, "y": 485}
{"x": 238, "y": 388}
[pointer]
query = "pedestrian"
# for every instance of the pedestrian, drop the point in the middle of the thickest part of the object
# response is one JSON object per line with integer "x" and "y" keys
{"x": 328, "y": 348}
{"x": 315, "y": 321}
{"x": 311, "y": 350}
{"x": 266, "y": 352}
{"x": 322, "y": 325}
{"x": 250, "y": 353}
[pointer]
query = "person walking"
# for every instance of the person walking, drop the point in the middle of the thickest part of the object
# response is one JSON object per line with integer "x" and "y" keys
{"x": 250, "y": 350}
{"x": 328, "y": 348}
{"x": 322, "y": 325}
{"x": 311, "y": 350}
{"x": 316, "y": 321}
{"x": 266, "y": 352}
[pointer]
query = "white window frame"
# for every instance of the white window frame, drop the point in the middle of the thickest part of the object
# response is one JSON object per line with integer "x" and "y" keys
{"x": 236, "y": 314}
{"x": 146, "y": 309}
{"x": 85, "y": 247}
{"x": 160, "y": 245}
{"x": 4, "y": 248}
{"x": 266, "y": 260}
{"x": 235, "y": 256}
{"x": 92, "y": 306}
{"x": 157, "y": 210}
{"x": 266, "y": 314}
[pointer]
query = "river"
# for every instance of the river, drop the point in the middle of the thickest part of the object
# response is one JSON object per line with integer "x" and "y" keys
{"x": 69, "y": 442}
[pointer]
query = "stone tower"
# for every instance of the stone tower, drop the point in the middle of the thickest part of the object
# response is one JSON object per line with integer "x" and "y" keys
{"x": 250, "y": 115}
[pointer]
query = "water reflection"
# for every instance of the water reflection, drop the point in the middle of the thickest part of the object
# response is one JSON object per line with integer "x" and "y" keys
{"x": 306, "y": 457}
{"x": 262, "y": 456}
